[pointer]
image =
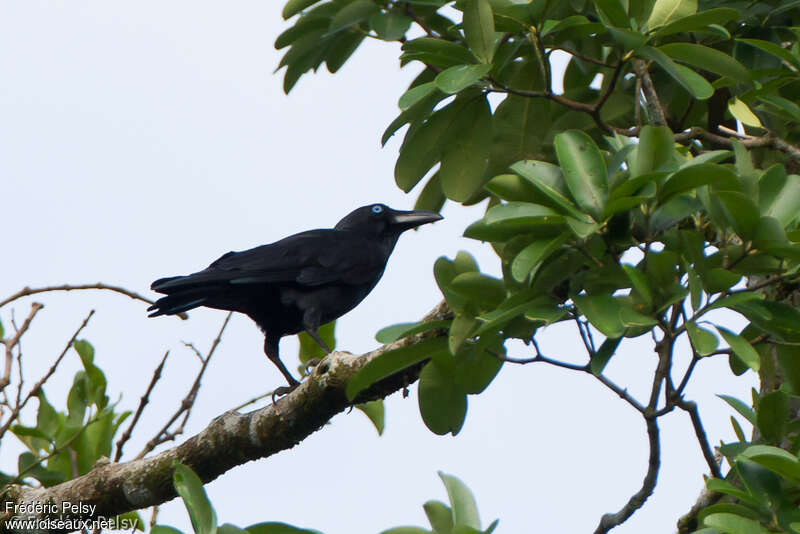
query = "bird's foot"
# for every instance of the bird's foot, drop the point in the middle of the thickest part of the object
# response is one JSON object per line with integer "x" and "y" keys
{"x": 310, "y": 364}
{"x": 283, "y": 390}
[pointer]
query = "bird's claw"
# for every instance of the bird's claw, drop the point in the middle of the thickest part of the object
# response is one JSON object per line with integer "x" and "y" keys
{"x": 281, "y": 391}
{"x": 310, "y": 364}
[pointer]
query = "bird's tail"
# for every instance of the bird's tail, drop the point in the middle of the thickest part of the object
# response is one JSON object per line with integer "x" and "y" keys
{"x": 183, "y": 293}
{"x": 177, "y": 303}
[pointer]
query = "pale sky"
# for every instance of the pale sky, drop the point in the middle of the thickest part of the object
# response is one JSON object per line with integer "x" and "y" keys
{"x": 145, "y": 139}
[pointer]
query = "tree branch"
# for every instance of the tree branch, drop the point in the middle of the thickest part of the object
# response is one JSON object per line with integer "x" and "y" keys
{"x": 142, "y": 403}
{"x": 229, "y": 440}
{"x": 691, "y": 408}
{"x": 35, "y": 389}
{"x": 609, "y": 521}
{"x": 12, "y": 342}
{"x": 27, "y": 291}
{"x": 187, "y": 403}
{"x": 653, "y": 103}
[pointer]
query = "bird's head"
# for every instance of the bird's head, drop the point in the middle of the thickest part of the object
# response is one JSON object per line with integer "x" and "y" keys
{"x": 381, "y": 220}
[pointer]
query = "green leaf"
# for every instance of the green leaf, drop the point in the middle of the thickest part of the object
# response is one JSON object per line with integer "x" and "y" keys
{"x": 718, "y": 279}
{"x": 740, "y": 407}
{"x": 422, "y": 147}
{"x": 631, "y": 317}
{"x": 689, "y": 178}
{"x": 461, "y": 329}
{"x": 584, "y": 170}
{"x": 603, "y": 355}
{"x": 293, "y": 7}
{"x": 389, "y": 26}
{"x": 772, "y": 415}
{"x": 479, "y": 29}
{"x": 476, "y": 367}
{"x": 741, "y": 348}
{"x": 789, "y": 359}
{"x": 526, "y": 263}
{"x": 639, "y": 283}
{"x": 629, "y": 39}
{"x": 548, "y": 179}
{"x": 672, "y": 212}
{"x": 695, "y": 288}
{"x": 734, "y": 524}
{"x": 227, "y": 528}
{"x": 698, "y": 21}
{"x": 731, "y": 301}
{"x": 707, "y": 58}
{"x": 341, "y": 48}
{"x": 726, "y": 488}
{"x": 440, "y": 516}
{"x": 779, "y": 197}
{"x": 190, "y": 488}
{"x": 513, "y": 307}
{"x": 655, "y": 150}
{"x": 406, "y": 530}
{"x": 353, "y": 13}
{"x": 415, "y": 94}
{"x": 392, "y": 333}
{"x": 522, "y": 212}
{"x": 391, "y": 362}
{"x": 442, "y": 405}
{"x": 742, "y": 212}
{"x": 774, "y": 49}
{"x": 775, "y": 459}
{"x": 776, "y": 318}
{"x": 486, "y": 291}
{"x": 46, "y": 417}
{"x": 303, "y": 27}
{"x": 743, "y": 113}
{"x": 415, "y": 115}
{"x": 612, "y": 13}
{"x": 437, "y": 52}
{"x": 465, "y": 509}
{"x": 376, "y": 413}
{"x": 279, "y": 528}
{"x": 466, "y": 152}
{"x": 695, "y": 84}
{"x": 310, "y": 349}
{"x": 703, "y": 341}
{"x": 603, "y": 312}
{"x": 667, "y": 11}
{"x": 459, "y": 77}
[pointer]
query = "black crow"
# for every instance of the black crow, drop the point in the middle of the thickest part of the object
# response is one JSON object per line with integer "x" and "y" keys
{"x": 298, "y": 283}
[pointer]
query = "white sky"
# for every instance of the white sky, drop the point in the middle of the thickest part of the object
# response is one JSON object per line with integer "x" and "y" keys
{"x": 145, "y": 139}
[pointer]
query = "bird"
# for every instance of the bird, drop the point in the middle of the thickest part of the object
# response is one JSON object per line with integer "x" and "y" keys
{"x": 298, "y": 283}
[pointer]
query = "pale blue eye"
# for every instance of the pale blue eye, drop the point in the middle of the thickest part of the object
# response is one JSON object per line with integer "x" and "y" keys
{"x": 377, "y": 209}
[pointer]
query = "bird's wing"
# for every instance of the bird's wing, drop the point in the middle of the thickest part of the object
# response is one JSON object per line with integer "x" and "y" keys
{"x": 309, "y": 258}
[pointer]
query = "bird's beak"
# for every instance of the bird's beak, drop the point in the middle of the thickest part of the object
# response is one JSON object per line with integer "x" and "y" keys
{"x": 405, "y": 220}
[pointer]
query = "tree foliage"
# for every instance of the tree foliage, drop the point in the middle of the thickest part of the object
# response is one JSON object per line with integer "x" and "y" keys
{"x": 656, "y": 188}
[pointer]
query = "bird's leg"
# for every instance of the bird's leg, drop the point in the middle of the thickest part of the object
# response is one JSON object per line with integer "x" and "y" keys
{"x": 315, "y": 336}
{"x": 311, "y": 323}
{"x": 271, "y": 350}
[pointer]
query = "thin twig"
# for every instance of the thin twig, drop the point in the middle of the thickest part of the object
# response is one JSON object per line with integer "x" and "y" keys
{"x": 187, "y": 403}
{"x": 621, "y": 393}
{"x": 142, "y": 403}
{"x": 12, "y": 342}
{"x": 653, "y": 103}
{"x": 421, "y": 23}
{"x": 27, "y": 291}
{"x": 254, "y": 400}
{"x": 609, "y": 521}
{"x": 691, "y": 408}
{"x": 38, "y": 386}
